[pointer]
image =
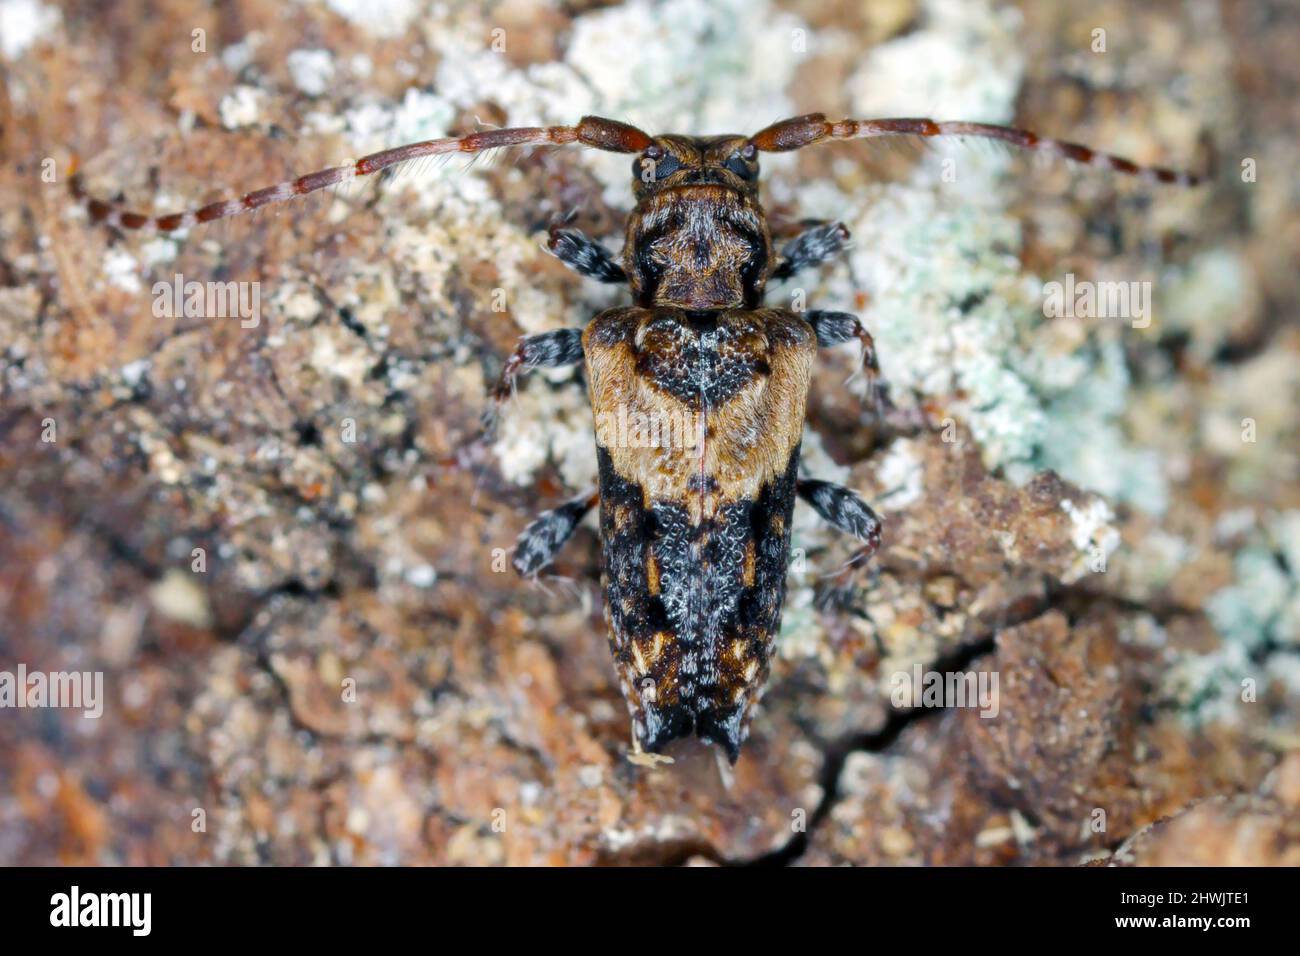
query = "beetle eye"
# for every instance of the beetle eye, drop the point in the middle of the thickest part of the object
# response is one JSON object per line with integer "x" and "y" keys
{"x": 654, "y": 164}
{"x": 741, "y": 163}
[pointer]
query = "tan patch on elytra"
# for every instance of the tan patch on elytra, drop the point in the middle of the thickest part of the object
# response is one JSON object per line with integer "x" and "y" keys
{"x": 747, "y": 574}
{"x": 750, "y": 437}
{"x": 652, "y": 575}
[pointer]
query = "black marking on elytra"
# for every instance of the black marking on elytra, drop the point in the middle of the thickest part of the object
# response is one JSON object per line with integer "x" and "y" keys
{"x": 626, "y": 528}
{"x": 698, "y": 361}
{"x": 700, "y": 482}
{"x": 703, "y": 601}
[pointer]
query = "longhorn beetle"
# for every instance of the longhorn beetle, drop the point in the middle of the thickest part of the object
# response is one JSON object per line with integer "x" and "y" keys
{"x": 695, "y": 532}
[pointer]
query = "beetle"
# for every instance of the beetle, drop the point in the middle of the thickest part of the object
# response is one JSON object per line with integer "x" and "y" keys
{"x": 695, "y": 530}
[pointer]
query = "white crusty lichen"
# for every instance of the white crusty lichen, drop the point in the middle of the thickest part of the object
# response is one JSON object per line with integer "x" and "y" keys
{"x": 311, "y": 70}
{"x": 901, "y": 475}
{"x": 548, "y": 424}
{"x": 23, "y": 23}
{"x": 383, "y": 18}
{"x": 242, "y": 106}
{"x": 1092, "y": 534}
{"x": 684, "y": 66}
{"x": 1247, "y": 419}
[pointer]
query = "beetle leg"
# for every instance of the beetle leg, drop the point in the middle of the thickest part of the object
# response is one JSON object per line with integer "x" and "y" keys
{"x": 812, "y": 247}
{"x": 846, "y": 511}
{"x": 584, "y": 255}
{"x": 542, "y": 540}
{"x": 544, "y": 350}
{"x": 832, "y": 328}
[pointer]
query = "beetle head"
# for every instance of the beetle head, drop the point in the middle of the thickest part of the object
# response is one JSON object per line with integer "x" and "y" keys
{"x": 680, "y": 162}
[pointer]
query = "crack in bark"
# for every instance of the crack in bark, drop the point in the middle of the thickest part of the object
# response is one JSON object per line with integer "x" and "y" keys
{"x": 1066, "y": 598}
{"x": 876, "y": 741}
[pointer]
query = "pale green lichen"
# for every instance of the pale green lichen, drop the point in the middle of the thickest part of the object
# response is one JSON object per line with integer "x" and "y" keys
{"x": 952, "y": 310}
{"x": 1261, "y": 607}
{"x": 1248, "y": 421}
{"x": 1084, "y": 439}
{"x": 1207, "y": 299}
{"x": 1258, "y": 617}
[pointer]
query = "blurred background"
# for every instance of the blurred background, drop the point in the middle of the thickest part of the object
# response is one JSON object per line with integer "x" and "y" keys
{"x": 281, "y": 543}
